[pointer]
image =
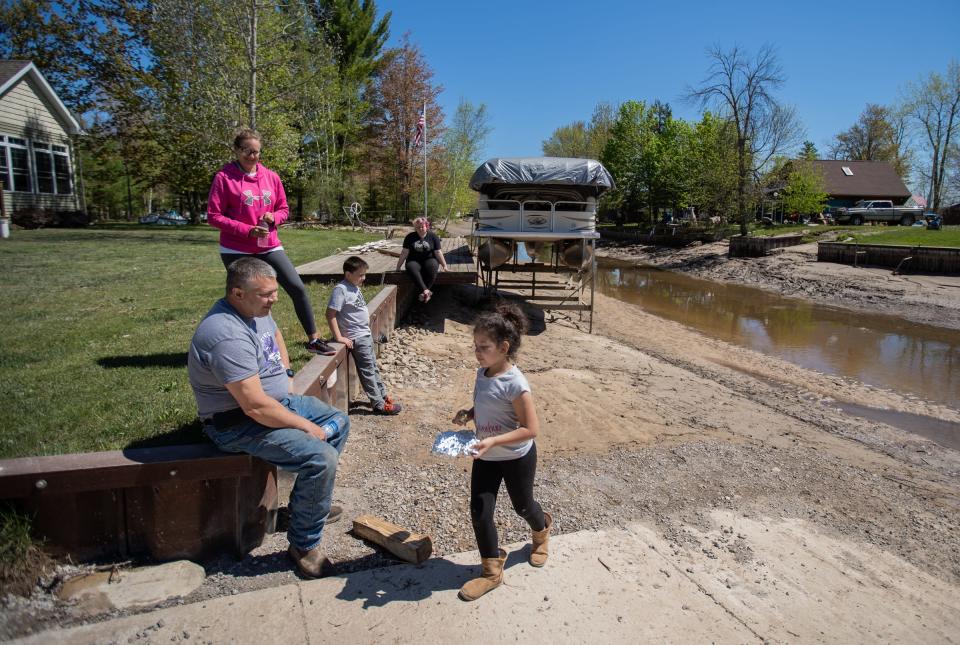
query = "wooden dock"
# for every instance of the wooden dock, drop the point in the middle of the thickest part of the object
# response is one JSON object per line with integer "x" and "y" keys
{"x": 383, "y": 264}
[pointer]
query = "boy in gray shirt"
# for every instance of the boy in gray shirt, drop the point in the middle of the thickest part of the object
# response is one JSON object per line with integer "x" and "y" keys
{"x": 349, "y": 321}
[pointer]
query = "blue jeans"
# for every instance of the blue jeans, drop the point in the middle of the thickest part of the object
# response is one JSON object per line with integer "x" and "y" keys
{"x": 365, "y": 358}
{"x": 314, "y": 461}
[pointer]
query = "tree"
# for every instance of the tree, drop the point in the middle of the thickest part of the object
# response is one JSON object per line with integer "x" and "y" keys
{"x": 809, "y": 151}
{"x": 582, "y": 140}
{"x": 934, "y": 107}
{"x": 804, "y": 193}
{"x": 405, "y": 86}
{"x": 357, "y": 38}
{"x": 878, "y": 135}
{"x": 462, "y": 144}
{"x": 742, "y": 88}
{"x": 648, "y": 153}
{"x": 714, "y": 166}
{"x": 49, "y": 34}
{"x": 571, "y": 140}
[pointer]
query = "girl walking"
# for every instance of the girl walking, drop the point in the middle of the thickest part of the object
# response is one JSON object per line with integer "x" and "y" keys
{"x": 506, "y": 421}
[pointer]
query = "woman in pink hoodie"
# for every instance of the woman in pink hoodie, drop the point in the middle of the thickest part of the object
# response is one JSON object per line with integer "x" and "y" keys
{"x": 247, "y": 203}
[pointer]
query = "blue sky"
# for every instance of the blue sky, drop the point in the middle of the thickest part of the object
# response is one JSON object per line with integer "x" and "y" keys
{"x": 539, "y": 65}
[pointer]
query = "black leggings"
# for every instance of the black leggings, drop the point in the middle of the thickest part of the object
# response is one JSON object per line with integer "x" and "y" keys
{"x": 485, "y": 481}
{"x": 289, "y": 279}
{"x": 423, "y": 273}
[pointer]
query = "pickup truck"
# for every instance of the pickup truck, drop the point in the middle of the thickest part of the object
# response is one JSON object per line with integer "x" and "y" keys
{"x": 879, "y": 210}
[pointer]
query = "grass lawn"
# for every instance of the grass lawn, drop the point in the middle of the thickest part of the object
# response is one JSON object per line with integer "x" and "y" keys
{"x": 810, "y": 233}
{"x": 98, "y": 324}
{"x": 949, "y": 236}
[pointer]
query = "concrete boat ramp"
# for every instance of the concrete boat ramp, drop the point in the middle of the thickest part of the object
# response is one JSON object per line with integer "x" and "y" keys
{"x": 744, "y": 580}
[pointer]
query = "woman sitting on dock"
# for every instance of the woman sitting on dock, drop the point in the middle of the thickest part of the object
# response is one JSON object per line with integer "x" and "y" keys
{"x": 422, "y": 256}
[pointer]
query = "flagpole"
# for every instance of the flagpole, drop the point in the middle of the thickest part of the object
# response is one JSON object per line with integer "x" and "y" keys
{"x": 424, "y": 158}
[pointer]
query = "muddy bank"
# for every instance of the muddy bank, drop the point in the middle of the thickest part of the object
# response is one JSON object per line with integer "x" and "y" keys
{"x": 644, "y": 421}
{"x": 794, "y": 271}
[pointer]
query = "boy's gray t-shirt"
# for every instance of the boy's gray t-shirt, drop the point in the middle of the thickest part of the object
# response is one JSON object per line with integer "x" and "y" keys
{"x": 352, "y": 315}
{"x": 493, "y": 412}
{"x": 227, "y": 348}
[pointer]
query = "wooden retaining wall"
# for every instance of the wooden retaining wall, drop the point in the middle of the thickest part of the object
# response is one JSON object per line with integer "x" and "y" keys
{"x": 923, "y": 259}
{"x": 754, "y": 247}
{"x": 173, "y": 502}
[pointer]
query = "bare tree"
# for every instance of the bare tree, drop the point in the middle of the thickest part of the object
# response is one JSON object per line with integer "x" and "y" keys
{"x": 742, "y": 89}
{"x": 878, "y": 135}
{"x": 934, "y": 106}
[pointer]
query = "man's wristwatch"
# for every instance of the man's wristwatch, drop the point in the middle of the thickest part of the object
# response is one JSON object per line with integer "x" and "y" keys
{"x": 290, "y": 372}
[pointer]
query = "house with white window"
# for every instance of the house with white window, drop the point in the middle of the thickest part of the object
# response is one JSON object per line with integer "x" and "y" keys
{"x": 36, "y": 153}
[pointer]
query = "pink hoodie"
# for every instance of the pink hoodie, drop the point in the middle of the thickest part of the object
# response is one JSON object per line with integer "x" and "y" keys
{"x": 237, "y": 202}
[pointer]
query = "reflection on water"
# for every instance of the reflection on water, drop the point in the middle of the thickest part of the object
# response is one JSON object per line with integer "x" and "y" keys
{"x": 879, "y": 350}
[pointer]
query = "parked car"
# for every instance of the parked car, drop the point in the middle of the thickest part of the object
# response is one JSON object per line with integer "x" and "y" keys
{"x": 879, "y": 210}
{"x": 165, "y": 218}
{"x": 172, "y": 218}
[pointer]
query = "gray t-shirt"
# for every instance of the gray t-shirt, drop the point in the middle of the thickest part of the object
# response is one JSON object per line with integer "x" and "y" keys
{"x": 352, "y": 315}
{"x": 493, "y": 412}
{"x": 227, "y": 348}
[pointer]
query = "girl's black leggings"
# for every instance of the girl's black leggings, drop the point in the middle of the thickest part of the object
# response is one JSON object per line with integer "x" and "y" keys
{"x": 423, "y": 273}
{"x": 485, "y": 480}
{"x": 289, "y": 279}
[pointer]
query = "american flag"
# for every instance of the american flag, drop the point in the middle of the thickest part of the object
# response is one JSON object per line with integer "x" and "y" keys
{"x": 420, "y": 125}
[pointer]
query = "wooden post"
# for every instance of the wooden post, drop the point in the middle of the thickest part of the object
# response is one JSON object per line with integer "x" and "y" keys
{"x": 410, "y": 547}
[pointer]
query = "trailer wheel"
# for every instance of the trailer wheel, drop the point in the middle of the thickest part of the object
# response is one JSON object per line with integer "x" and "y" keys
{"x": 906, "y": 220}
{"x": 856, "y": 220}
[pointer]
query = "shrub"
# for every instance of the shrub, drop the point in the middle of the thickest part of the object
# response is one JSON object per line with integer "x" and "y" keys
{"x": 42, "y": 218}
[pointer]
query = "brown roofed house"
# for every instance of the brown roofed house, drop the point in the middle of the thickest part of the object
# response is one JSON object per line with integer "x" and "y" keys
{"x": 847, "y": 182}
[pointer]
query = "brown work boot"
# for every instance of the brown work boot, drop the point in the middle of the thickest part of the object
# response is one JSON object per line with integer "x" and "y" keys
{"x": 538, "y": 552}
{"x": 312, "y": 563}
{"x": 490, "y": 577}
{"x": 336, "y": 512}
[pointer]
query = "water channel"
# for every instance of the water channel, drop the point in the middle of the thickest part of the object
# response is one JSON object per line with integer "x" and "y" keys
{"x": 879, "y": 350}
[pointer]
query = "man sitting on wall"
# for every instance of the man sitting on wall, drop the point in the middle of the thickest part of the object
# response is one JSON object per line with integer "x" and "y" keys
{"x": 240, "y": 374}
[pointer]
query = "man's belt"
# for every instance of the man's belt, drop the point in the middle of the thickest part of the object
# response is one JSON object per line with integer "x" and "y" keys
{"x": 228, "y": 419}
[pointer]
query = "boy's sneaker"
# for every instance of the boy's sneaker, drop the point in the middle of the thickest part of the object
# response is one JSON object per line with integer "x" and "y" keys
{"x": 388, "y": 408}
{"x": 317, "y": 346}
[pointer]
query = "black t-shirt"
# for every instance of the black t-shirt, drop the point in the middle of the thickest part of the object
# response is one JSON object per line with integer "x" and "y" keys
{"x": 421, "y": 250}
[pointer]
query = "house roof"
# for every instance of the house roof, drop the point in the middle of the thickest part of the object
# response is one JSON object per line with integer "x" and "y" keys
{"x": 865, "y": 179}
{"x": 12, "y": 71}
{"x": 10, "y": 68}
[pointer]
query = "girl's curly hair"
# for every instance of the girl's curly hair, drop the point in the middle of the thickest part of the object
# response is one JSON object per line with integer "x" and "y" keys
{"x": 506, "y": 323}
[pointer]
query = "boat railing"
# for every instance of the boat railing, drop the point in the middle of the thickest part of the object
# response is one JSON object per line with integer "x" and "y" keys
{"x": 536, "y": 215}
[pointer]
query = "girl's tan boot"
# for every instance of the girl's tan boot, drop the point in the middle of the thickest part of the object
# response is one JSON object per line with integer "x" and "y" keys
{"x": 538, "y": 552}
{"x": 490, "y": 577}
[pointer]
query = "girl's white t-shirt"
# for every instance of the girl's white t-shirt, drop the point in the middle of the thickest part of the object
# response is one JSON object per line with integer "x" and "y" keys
{"x": 493, "y": 412}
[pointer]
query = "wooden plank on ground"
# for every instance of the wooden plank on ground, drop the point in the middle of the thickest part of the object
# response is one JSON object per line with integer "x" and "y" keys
{"x": 410, "y": 547}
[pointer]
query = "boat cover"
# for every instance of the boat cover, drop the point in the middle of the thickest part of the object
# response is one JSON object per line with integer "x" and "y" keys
{"x": 542, "y": 171}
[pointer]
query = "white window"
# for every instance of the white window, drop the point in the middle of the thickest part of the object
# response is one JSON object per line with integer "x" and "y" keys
{"x": 15, "y": 164}
{"x": 53, "y": 168}
{"x": 847, "y": 171}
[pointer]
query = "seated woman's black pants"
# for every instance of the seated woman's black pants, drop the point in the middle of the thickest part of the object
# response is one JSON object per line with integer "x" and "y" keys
{"x": 423, "y": 274}
{"x": 518, "y": 474}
